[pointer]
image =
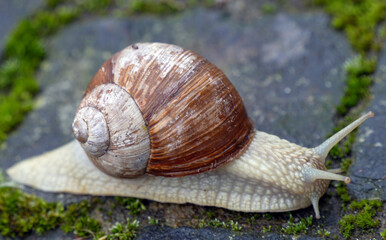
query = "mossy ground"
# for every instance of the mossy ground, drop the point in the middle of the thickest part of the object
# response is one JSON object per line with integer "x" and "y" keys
{"x": 362, "y": 219}
{"x": 22, "y": 213}
{"x": 364, "y": 24}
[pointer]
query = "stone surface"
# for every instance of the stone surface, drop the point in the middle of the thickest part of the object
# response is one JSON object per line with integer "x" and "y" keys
{"x": 11, "y": 12}
{"x": 286, "y": 66}
{"x": 158, "y": 233}
{"x": 368, "y": 171}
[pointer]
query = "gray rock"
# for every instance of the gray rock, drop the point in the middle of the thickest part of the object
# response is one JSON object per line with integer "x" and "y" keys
{"x": 368, "y": 171}
{"x": 161, "y": 233}
{"x": 287, "y": 68}
{"x": 13, "y": 11}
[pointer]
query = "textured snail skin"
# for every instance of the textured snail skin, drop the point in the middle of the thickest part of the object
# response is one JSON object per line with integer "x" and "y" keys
{"x": 213, "y": 158}
{"x": 256, "y": 182}
{"x": 272, "y": 175}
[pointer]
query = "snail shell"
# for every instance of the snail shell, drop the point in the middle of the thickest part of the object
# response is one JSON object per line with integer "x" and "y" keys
{"x": 163, "y": 123}
{"x": 160, "y": 109}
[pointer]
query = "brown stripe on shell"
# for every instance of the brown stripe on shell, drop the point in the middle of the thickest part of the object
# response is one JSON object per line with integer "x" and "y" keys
{"x": 202, "y": 127}
{"x": 195, "y": 117}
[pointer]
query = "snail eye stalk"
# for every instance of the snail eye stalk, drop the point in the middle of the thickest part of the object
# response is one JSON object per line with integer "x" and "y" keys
{"x": 323, "y": 149}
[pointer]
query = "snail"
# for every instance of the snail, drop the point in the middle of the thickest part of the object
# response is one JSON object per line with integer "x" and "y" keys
{"x": 162, "y": 123}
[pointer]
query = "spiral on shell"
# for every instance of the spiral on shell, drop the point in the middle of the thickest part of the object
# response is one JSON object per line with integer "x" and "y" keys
{"x": 163, "y": 110}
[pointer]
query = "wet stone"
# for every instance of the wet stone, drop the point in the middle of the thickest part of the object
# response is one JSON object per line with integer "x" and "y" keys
{"x": 158, "y": 233}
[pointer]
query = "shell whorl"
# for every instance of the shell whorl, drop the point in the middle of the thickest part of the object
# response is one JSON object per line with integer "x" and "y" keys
{"x": 110, "y": 128}
{"x": 193, "y": 115}
{"x": 91, "y": 130}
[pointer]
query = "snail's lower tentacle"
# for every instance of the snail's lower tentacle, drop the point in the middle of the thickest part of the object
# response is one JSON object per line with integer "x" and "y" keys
{"x": 312, "y": 174}
{"x": 335, "y": 170}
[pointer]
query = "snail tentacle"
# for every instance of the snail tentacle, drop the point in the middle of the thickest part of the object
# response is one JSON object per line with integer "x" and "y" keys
{"x": 335, "y": 170}
{"x": 315, "y": 204}
{"x": 327, "y": 145}
{"x": 312, "y": 174}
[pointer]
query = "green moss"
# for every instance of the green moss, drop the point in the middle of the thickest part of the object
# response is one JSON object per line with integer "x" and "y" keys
{"x": 359, "y": 66}
{"x": 369, "y": 205}
{"x": 323, "y": 233}
{"x": 154, "y": 7}
{"x": 152, "y": 221}
{"x": 210, "y": 214}
{"x": 267, "y": 216}
{"x": 252, "y": 220}
{"x": 77, "y": 220}
{"x": 235, "y": 226}
{"x": 226, "y": 224}
{"x": 267, "y": 229}
{"x": 362, "y": 220}
{"x": 123, "y": 232}
{"x": 357, "y": 89}
{"x": 336, "y": 152}
{"x": 22, "y": 213}
{"x": 343, "y": 150}
{"x": 358, "y": 82}
{"x": 134, "y": 205}
{"x": 299, "y": 227}
{"x": 345, "y": 164}
{"x": 358, "y": 19}
{"x": 343, "y": 193}
{"x": 51, "y": 4}
{"x": 383, "y": 234}
{"x": 100, "y": 6}
{"x": 269, "y": 8}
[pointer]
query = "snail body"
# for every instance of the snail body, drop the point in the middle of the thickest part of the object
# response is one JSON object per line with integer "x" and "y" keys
{"x": 162, "y": 123}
